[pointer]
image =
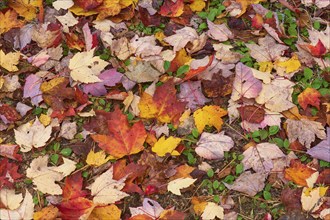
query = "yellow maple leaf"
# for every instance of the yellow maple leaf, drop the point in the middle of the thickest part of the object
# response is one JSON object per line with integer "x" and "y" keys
{"x": 105, "y": 212}
{"x": 9, "y": 60}
{"x": 45, "y": 119}
{"x": 164, "y": 146}
{"x": 97, "y": 159}
{"x": 49, "y": 212}
{"x": 9, "y": 21}
{"x": 290, "y": 65}
{"x": 126, "y": 3}
{"x": 197, "y": 5}
{"x": 209, "y": 115}
{"x": 48, "y": 86}
{"x": 108, "y": 8}
{"x": 26, "y": 8}
{"x": 77, "y": 10}
{"x": 266, "y": 66}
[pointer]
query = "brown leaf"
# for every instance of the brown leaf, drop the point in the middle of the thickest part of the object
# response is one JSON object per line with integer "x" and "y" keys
{"x": 252, "y": 113}
{"x": 219, "y": 86}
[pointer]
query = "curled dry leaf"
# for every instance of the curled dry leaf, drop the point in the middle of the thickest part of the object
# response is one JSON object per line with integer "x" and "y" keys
{"x": 213, "y": 146}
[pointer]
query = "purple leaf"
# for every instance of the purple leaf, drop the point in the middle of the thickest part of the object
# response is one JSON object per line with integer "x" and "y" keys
{"x": 191, "y": 92}
{"x": 322, "y": 150}
{"x": 32, "y": 89}
{"x": 108, "y": 77}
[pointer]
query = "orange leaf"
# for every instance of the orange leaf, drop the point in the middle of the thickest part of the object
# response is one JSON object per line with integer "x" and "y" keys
{"x": 122, "y": 139}
{"x": 198, "y": 205}
{"x": 89, "y": 4}
{"x": 75, "y": 208}
{"x": 172, "y": 9}
{"x": 298, "y": 172}
{"x": 47, "y": 213}
{"x": 163, "y": 106}
{"x": 105, "y": 212}
{"x": 170, "y": 214}
{"x": 309, "y": 96}
{"x": 257, "y": 21}
{"x": 140, "y": 217}
{"x": 9, "y": 21}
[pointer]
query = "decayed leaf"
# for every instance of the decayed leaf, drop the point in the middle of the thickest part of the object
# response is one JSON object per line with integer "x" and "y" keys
{"x": 105, "y": 212}
{"x": 249, "y": 183}
{"x": 212, "y": 146}
{"x": 164, "y": 146}
{"x": 142, "y": 72}
{"x": 32, "y": 135}
{"x": 163, "y": 105}
{"x": 191, "y": 93}
{"x": 9, "y": 60}
{"x": 97, "y": 158}
{"x": 322, "y": 150}
{"x": 24, "y": 211}
{"x": 32, "y": 89}
{"x": 85, "y": 68}
{"x": 107, "y": 190}
{"x": 212, "y": 211}
{"x": 260, "y": 157}
{"x": 44, "y": 177}
{"x": 276, "y": 96}
{"x": 245, "y": 84}
{"x": 9, "y": 21}
{"x": 209, "y": 115}
{"x": 9, "y": 199}
{"x": 312, "y": 199}
{"x": 175, "y": 185}
{"x": 122, "y": 139}
{"x": 47, "y": 213}
{"x": 304, "y": 131}
{"x": 219, "y": 32}
{"x": 309, "y": 96}
{"x": 298, "y": 172}
{"x": 150, "y": 207}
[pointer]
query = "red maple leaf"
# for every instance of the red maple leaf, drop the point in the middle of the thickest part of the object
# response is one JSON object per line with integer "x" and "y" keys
{"x": 8, "y": 173}
{"x": 122, "y": 139}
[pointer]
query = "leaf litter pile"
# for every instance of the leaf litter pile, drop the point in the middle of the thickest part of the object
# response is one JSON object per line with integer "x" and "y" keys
{"x": 164, "y": 109}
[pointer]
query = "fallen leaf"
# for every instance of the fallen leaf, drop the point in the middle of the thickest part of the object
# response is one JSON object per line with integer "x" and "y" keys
{"x": 260, "y": 158}
{"x": 122, "y": 139}
{"x": 24, "y": 211}
{"x": 309, "y": 96}
{"x": 172, "y": 9}
{"x": 68, "y": 130}
{"x": 8, "y": 114}
{"x": 67, "y": 20}
{"x": 97, "y": 158}
{"x": 252, "y": 113}
{"x": 9, "y": 21}
{"x": 245, "y": 84}
{"x": 8, "y": 173}
{"x": 219, "y": 32}
{"x": 191, "y": 93}
{"x": 213, "y": 211}
{"x": 249, "y": 183}
{"x": 212, "y": 146}
{"x": 63, "y": 4}
{"x": 105, "y": 212}
{"x": 149, "y": 207}
{"x": 276, "y": 96}
{"x": 85, "y": 68}
{"x": 313, "y": 198}
{"x": 198, "y": 205}
{"x": 9, "y": 60}
{"x": 142, "y": 72}
{"x": 163, "y": 105}
{"x": 175, "y": 185}
{"x": 289, "y": 66}
{"x": 47, "y": 213}
{"x": 44, "y": 177}
{"x": 9, "y": 199}
{"x": 108, "y": 78}
{"x": 32, "y": 135}
{"x": 321, "y": 150}
{"x": 182, "y": 37}
{"x": 169, "y": 214}
{"x": 107, "y": 190}
{"x": 164, "y": 146}
{"x": 298, "y": 172}
{"x": 304, "y": 131}
{"x": 197, "y": 5}
{"x": 10, "y": 151}
{"x": 32, "y": 89}
{"x": 27, "y": 9}
{"x": 209, "y": 115}
{"x": 218, "y": 86}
